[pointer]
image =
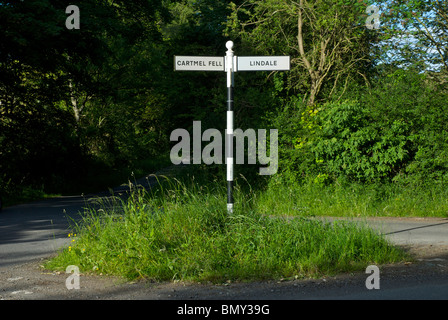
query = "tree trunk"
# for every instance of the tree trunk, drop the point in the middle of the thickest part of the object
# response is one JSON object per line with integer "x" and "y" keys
{"x": 74, "y": 102}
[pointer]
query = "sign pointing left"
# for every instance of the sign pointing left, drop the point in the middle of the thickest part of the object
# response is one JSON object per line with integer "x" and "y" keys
{"x": 198, "y": 63}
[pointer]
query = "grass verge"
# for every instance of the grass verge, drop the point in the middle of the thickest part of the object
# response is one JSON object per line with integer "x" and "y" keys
{"x": 181, "y": 231}
{"x": 355, "y": 200}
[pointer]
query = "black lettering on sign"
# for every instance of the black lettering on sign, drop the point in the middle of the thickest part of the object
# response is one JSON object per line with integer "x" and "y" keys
{"x": 263, "y": 63}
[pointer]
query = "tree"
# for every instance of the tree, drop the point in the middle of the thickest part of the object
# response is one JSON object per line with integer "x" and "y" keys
{"x": 415, "y": 33}
{"x": 327, "y": 41}
{"x": 55, "y": 83}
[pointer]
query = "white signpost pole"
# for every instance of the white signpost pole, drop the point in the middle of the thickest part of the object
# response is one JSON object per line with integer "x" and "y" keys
{"x": 229, "y": 130}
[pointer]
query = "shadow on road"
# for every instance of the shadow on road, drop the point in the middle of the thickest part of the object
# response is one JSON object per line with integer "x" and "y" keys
{"x": 415, "y": 228}
{"x": 38, "y": 229}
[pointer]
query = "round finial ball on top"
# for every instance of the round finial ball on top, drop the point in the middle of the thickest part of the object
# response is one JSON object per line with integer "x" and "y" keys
{"x": 229, "y": 45}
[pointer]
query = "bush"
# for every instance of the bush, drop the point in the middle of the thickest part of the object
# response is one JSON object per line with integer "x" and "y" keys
{"x": 393, "y": 131}
{"x": 354, "y": 145}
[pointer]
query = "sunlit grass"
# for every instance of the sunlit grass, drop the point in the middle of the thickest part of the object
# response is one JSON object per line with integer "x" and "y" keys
{"x": 354, "y": 200}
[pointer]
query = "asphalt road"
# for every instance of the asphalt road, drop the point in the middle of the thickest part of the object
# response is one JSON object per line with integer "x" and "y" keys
{"x": 407, "y": 231}
{"x": 35, "y": 231}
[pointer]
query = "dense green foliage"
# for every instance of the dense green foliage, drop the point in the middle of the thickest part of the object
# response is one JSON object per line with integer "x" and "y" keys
{"x": 358, "y": 106}
{"x": 72, "y": 101}
{"x": 393, "y": 131}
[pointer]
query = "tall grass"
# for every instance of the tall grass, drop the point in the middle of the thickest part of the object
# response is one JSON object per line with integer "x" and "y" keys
{"x": 182, "y": 231}
{"x": 355, "y": 200}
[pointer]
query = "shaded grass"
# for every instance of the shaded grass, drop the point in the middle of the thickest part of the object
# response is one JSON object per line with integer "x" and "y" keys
{"x": 182, "y": 231}
{"x": 95, "y": 178}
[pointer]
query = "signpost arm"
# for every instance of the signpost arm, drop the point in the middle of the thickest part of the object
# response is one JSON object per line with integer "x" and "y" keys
{"x": 229, "y": 130}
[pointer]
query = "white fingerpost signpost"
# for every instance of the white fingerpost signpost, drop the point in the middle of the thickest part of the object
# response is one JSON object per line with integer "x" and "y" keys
{"x": 231, "y": 64}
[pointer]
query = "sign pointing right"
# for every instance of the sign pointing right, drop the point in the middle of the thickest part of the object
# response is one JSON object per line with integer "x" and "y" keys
{"x": 263, "y": 63}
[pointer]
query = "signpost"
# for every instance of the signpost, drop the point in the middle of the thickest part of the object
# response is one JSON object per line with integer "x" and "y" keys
{"x": 231, "y": 64}
{"x": 263, "y": 63}
{"x": 188, "y": 63}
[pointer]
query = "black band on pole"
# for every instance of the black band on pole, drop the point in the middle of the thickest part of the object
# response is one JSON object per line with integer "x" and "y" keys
{"x": 229, "y": 192}
{"x": 230, "y": 98}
